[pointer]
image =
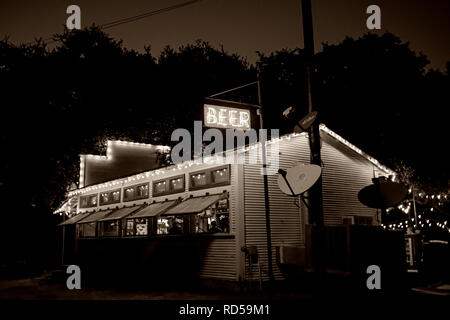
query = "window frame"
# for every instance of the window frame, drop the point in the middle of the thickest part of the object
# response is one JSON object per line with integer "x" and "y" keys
{"x": 209, "y": 178}
{"x": 89, "y": 196}
{"x": 135, "y": 196}
{"x": 168, "y": 190}
{"x": 110, "y": 201}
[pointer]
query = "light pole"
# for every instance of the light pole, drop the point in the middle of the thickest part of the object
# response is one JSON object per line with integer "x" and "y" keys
{"x": 266, "y": 186}
{"x": 315, "y": 193}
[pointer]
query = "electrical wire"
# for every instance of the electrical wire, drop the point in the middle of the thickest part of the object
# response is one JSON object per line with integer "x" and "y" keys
{"x": 144, "y": 15}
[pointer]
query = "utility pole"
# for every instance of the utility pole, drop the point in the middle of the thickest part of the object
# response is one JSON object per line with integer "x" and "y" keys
{"x": 264, "y": 161}
{"x": 315, "y": 193}
{"x": 266, "y": 186}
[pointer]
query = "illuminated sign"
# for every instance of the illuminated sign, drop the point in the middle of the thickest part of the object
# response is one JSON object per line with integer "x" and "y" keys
{"x": 225, "y": 117}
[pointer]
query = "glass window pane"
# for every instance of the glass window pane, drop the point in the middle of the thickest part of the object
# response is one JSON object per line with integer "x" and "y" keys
{"x": 142, "y": 191}
{"x": 116, "y": 196}
{"x": 130, "y": 227}
{"x": 87, "y": 229}
{"x": 177, "y": 184}
{"x": 111, "y": 228}
{"x": 128, "y": 193}
{"x": 220, "y": 175}
{"x": 159, "y": 187}
{"x": 163, "y": 226}
{"x": 109, "y": 197}
{"x": 104, "y": 198}
{"x": 214, "y": 219}
{"x": 141, "y": 227}
{"x": 93, "y": 200}
{"x": 198, "y": 179}
{"x": 88, "y": 201}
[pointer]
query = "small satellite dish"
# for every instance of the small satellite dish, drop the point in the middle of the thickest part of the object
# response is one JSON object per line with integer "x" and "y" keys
{"x": 296, "y": 180}
{"x": 382, "y": 194}
{"x": 305, "y": 122}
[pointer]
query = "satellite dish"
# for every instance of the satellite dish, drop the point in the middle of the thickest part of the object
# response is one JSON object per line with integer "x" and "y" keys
{"x": 305, "y": 122}
{"x": 382, "y": 194}
{"x": 296, "y": 180}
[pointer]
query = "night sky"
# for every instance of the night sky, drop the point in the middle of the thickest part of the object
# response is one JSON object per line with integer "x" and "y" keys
{"x": 242, "y": 26}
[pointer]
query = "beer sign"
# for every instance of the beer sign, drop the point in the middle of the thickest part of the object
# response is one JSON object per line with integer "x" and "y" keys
{"x": 226, "y": 117}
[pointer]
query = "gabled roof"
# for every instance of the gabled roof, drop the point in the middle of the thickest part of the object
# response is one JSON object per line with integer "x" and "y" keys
{"x": 206, "y": 160}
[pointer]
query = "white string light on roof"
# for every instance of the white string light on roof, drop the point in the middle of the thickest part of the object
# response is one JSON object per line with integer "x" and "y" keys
{"x": 208, "y": 160}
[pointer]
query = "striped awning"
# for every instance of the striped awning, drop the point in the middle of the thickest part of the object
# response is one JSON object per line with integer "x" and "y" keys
{"x": 120, "y": 213}
{"x": 154, "y": 209}
{"x": 195, "y": 205}
{"x": 75, "y": 219}
{"x": 96, "y": 216}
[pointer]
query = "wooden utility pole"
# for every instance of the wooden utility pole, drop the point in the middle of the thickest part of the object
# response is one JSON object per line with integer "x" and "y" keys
{"x": 315, "y": 193}
{"x": 266, "y": 187}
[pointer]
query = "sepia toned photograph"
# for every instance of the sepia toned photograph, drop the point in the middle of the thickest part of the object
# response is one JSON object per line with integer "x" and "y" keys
{"x": 225, "y": 159}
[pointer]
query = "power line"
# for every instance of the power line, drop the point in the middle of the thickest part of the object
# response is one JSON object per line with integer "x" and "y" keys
{"x": 144, "y": 15}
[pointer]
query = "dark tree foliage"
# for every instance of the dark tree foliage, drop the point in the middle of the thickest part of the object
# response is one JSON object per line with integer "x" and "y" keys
{"x": 196, "y": 71}
{"x": 376, "y": 93}
{"x": 62, "y": 102}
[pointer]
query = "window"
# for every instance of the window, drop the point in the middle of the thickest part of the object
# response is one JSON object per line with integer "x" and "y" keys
{"x": 211, "y": 178}
{"x": 136, "y": 192}
{"x": 214, "y": 219}
{"x": 110, "y": 197}
{"x": 198, "y": 180}
{"x": 130, "y": 227}
{"x": 88, "y": 201}
{"x": 111, "y": 228}
{"x": 159, "y": 188}
{"x": 177, "y": 184}
{"x": 220, "y": 175}
{"x": 141, "y": 226}
{"x": 363, "y": 220}
{"x": 86, "y": 229}
{"x": 137, "y": 226}
{"x": 171, "y": 225}
{"x": 168, "y": 186}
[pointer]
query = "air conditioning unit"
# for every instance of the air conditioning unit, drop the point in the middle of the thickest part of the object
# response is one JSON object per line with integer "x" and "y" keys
{"x": 292, "y": 255}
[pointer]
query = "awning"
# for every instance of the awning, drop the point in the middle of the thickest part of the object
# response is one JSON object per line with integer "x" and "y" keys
{"x": 154, "y": 209}
{"x": 75, "y": 219}
{"x": 120, "y": 213}
{"x": 194, "y": 205}
{"x": 95, "y": 216}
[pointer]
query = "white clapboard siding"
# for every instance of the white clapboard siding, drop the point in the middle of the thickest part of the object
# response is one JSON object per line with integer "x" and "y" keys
{"x": 285, "y": 217}
{"x": 220, "y": 260}
{"x": 345, "y": 173}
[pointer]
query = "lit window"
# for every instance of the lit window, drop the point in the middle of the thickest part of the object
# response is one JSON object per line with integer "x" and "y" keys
{"x": 111, "y": 228}
{"x": 160, "y": 187}
{"x": 135, "y": 192}
{"x": 198, "y": 179}
{"x": 130, "y": 227}
{"x": 88, "y": 201}
{"x": 170, "y": 225}
{"x": 177, "y": 184}
{"x": 168, "y": 186}
{"x": 109, "y": 197}
{"x": 86, "y": 229}
{"x": 141, "y": 226}
{"x": 142, "y": 191}
{"x": 220, "y": 175}
{"x": 214, "y": 219}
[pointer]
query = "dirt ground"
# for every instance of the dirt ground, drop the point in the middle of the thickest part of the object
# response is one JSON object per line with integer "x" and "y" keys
{"x": 40, "y": 288}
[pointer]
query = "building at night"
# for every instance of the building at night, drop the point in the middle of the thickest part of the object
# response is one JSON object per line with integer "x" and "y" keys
{"x": 206, "y": 219}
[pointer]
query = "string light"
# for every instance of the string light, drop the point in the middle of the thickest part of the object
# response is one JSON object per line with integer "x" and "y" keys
{"x": 218, "y": 158}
